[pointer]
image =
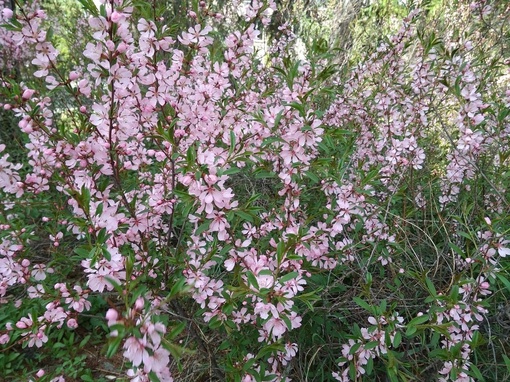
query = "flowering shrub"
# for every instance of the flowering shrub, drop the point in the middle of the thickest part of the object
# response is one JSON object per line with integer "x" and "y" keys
{"x": 199, "y": 196}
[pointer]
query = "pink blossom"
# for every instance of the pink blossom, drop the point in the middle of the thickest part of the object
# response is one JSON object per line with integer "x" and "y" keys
{"x": 72, "y": 323}
{"x": 135, "y": 351}
{"x": 111, "y": 316}
{"x": 115, "y": 17}
{"x": 158, "y": 361}
{"x": 27, "y": 94}
{"x": 38, "y": 339}
{"x": 24, "y": 322}
{"x": 504, "y": 248}
{"x": 4, "y": 338}
{"x": 275, "y": 326}
{"x": 7, "y": 13}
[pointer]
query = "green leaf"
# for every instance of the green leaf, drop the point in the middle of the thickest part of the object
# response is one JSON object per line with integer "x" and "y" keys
{"x": 280, "y": 251}
{"x": 153, "y": 377}
{"x": 252, "y": 280}
{"x": 176, "y": 350}
{"x": 49, "y": 33}
{"x": 397, "y": 339}
{"x": 84, "y": 341}
{"x": 455, "y": 293}
{"x": 203, "y": 227}
{"x": 176, "y": 330}
{"x": 264, "y": 174}
{"x": 352, "y": 371}
{"x": 476, "y": 373}
{"x": 106, "y": 253}
{"x": 419, "y": 320}
{"x": 191, "y": 156}
{"x": 309, "y": 298}
{"x": 178, "y": 288}
{"x": 457, "y": 250}
{"x": 232, "y": 142}
{"x": 431, "y": 287}
{"x": 244, "y": 215}
{"x": 231, "y": 171}
{"x": 392, "y": 374}
{"x": 299, "y": 107}
{"x": 465, "y": 235}
{"x": 288, "y": 277}
{"x": 269, "y": 140}
{"x": 102, "y": 236}
{"x": 113, "y": 346}
{"x": 89, "y": 6}
{"x": 314, "y": 178}
{"x": 441, "y": 354}
{"x": 85, "y": 253}
{"x": 248, "y": 364}
{"x": 117, "y": 286}
{"x": 269, "y": 349}
{"x": 254, "y": 373}
{"x": 278, "y": 119}
{"x": 411, "y": 330}
{"x": 504, "y": 280}
{"x": 13, "y": 26}
{"x": 371, "y": 345}
{"x": 362, "y": 304}
{"x": 214, "y": 323}
{"x": 369, "y": 278}
{"x": 102, "y": 11}
{"x": 507, "y": 362}
{"x": 369, "y": 366}
{"x": 383, "y": 306}
{"x": 354, "y": 348}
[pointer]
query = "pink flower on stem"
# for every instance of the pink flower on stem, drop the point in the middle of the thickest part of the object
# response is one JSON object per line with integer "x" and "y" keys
{"x": 4, "y": 338}
{"x": 7, "y": 13}
{"x": 134, "y": 351}
{"x": 276, "y": 326}
{"x": 158, "y": 361}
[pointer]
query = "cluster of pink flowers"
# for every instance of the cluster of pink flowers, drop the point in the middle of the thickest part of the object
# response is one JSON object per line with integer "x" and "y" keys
{"x": 161, "y": 124}
{"x": 141, "y": 88}
{"x": 12, "y": 54}
{"x": 372, "y": 344}
{"x": 390, "y": 122}
{"x": 145, "y": 352}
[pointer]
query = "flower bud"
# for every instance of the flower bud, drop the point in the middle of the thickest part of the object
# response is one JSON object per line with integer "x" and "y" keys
{"x": 122, "y": 47}
{"x": 139, "y": 303}
{"x": 21, "y": 325}
{"x": 115, "y": 17}
{"x": 112, "y": 315}
{"x": 4, "y": 338}
{"x": 110, "y": 45}
{"x": 27, "y": 94}
{"x": 7, "y": 13}
{"x": 74, "y": 75}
